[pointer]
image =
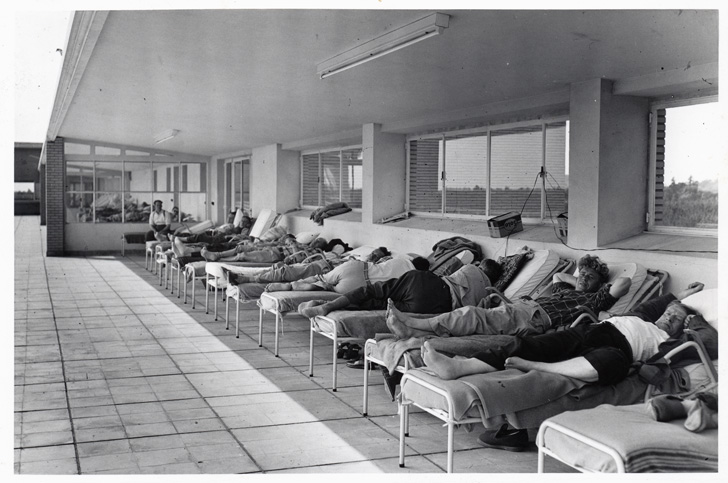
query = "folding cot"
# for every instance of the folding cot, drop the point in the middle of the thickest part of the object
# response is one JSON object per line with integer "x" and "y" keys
{"x": 523, "y": 400}
{"x": 624, "y": 439}
{"x": 196, "y": 270}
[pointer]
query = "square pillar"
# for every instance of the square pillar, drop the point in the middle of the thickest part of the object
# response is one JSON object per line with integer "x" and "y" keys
{"x": 275, "y": 179}
{"x": 608, "y": 167}
{"x": 384, "y": 167}
{"x": 55, "y": 182}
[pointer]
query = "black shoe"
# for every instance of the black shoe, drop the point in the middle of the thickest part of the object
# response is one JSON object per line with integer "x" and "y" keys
{"x": 391, "y": 381}
{"x": 342, "y": 351}
{"x": 505, "y": 439}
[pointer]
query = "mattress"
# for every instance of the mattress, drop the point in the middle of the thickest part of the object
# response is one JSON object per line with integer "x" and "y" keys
{"x": 644, "y": 444}
{"x": 363, "y": 324}
{"x": 532, "y": 273}
{"x": 289, "y": 301}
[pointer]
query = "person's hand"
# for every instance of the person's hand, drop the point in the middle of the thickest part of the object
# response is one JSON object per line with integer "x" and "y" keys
{"x": 694, "y": 287}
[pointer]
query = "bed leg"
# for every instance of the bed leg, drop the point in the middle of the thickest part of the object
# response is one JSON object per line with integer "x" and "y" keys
{"x": 333, "y": 376}
{"x": 237, "y": 317}
{"x": 403, "y": 416}
{"x": 278, "y": 321}
{"x": 450, "y": 445}
{"x": 193, "y": 291}
{"x": 260, "y": 328}
{"x": 227, "y": 315}
{"x": 365, "y": 402}
{"x": 310, "y": 351}
{"x": 215, "y": 299}
{"x": 179, "y": 280}
{"x": 207, "y": 294}
{"x": 184, "y": 296}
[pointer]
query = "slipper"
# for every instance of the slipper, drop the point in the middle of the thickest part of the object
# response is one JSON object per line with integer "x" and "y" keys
{"x": 342, "y": 350}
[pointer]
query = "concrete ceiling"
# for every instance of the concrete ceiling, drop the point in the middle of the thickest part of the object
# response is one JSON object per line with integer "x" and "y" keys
{"x": 231, "y": 80}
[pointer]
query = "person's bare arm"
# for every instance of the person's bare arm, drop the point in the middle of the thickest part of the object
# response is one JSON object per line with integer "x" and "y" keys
{"x": 694, "y": 287}
{"x": 620, "y": 287}
{"x": 564, "y": 277}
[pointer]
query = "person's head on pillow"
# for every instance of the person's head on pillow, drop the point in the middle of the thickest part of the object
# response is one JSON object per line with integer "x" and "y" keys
{"x": 318, "y": 243}
{"x": 231, "y": 217}
{"x": 492, "y": 269}
{"x": 673, "y": 318}
{"x": 287, "y": 239}
{"x": 377, "y": 254}
{"x": 247, "y": 222}
{"x": 421, "y": 263}
{"x": 592, "y": 274}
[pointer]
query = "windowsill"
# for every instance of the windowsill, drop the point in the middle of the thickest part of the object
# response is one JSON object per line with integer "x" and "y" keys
{"x": 353, "y": 215}
{"x": 664, "y": 243}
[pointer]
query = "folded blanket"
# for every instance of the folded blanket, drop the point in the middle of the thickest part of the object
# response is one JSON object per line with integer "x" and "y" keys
{"x": 496, "y": 393}
{"x": 328, "y": 211}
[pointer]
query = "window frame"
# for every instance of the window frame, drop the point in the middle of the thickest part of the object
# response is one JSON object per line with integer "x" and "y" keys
{"x": 229, "y": 166}
{"x": 139, "y": 156}
{"x": 486, "y": 131}
{"x": 319, "y": 184}
{"x": 656, "y": 105}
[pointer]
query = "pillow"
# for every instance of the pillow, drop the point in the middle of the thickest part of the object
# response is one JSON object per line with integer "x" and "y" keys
{"x": 238, "y": 220}
{"x": 274, "y": 233}
{"x": 306, "y": 237}
{"x": 706, "y": 303}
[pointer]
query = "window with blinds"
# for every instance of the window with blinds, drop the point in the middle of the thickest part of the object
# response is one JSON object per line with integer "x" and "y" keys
{"x": 491, "y": 172}
{"x": 329, "y": 176}
{"x": 685, "y": 169}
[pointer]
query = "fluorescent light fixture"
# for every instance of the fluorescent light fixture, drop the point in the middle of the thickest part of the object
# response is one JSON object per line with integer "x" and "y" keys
{"x": 399, "y": 38}
{"x": 165, "y": 135}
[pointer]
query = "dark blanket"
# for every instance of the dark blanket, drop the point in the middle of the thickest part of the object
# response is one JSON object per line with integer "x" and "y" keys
{"x": 328, "y": 211}
{"x": 443, "y": 250}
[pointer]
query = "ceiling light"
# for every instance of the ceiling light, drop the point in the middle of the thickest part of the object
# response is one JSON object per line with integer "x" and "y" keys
{"x": 399, "y": 38}
{"x": 165, "y": 135}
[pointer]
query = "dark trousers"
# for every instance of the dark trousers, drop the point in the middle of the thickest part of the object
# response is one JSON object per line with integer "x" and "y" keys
{"x": 603, "y": 345}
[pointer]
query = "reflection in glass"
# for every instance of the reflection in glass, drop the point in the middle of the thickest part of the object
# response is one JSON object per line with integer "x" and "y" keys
{"x": 515, "y": 167}
{"x": 79, "y": 176}
{"x": 78, "y": 207}
{"x": 138, "y": 176}
{"x": 107, "y": 208}
{"x": 108, "y": 176}
{"x": 137, "y": 207}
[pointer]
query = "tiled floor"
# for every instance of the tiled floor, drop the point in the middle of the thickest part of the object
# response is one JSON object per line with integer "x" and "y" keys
{"x": 115, "y": 375}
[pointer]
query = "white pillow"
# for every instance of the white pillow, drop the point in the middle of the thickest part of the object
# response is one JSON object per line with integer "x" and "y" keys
{"x": 705, "y": 302}
{"x": 306, "y": 237}
{"x": 238, "y": 220}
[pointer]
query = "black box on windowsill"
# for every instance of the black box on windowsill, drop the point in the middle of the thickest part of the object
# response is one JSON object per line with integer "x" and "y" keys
{"x": 506, "y": 224}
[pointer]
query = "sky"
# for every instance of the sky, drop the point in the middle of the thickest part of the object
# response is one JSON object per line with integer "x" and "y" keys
{"x": 38, "y": 64}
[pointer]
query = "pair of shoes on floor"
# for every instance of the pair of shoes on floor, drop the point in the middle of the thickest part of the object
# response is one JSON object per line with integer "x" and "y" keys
{"x": 505, "y": 439}
{"x": 348, "y": 351}
{"x": 359, "y": 364}
{"x": 391, "y": 381}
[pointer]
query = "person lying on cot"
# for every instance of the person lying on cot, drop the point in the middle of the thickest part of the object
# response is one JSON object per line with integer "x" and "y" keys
{"x": 354, "y": 274}
{"x": 417, "y": 291}
{"x": 285, "y": 249}
{"x": 279, "y": 276}
{"x": 522, "y": 316}
{"x": 226, "y": 232}
{"x": 600, "y": 352}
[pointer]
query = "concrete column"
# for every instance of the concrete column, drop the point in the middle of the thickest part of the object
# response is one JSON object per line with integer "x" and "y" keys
{"x": 608, "y": 164}
{"x": 384, "y": 167}
{"x": 55, "y": 203}
{"x": 275, "y": 179}
{"x": 42, "y": 195}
